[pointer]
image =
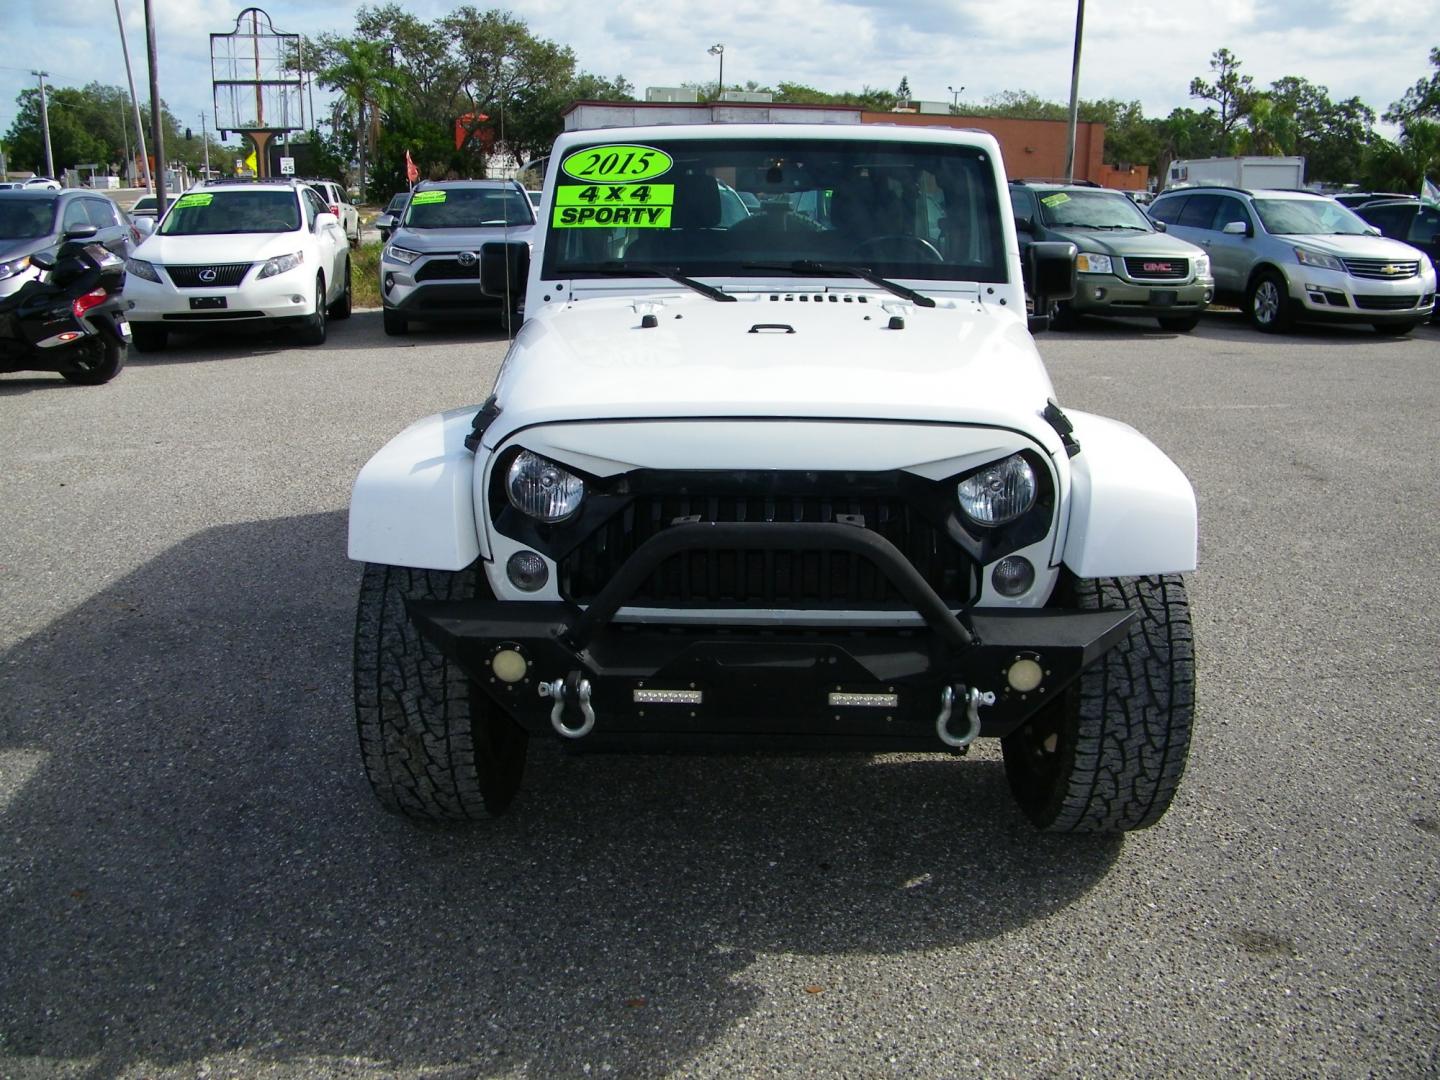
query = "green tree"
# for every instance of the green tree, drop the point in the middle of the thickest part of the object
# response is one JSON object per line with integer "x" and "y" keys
{"x": 360, "y": 71}
{"x": 1232, "y": 93}
{"x": 1332, "y": 136}
{"x": 1421, "y": 101}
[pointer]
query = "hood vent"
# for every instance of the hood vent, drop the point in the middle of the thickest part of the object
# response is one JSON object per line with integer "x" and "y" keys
{"x": 819, "y": 298}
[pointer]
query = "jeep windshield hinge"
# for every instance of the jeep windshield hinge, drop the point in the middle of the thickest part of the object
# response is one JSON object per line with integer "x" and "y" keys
{"x": 483, "y": 419}
{"x": 1056, "y": 418}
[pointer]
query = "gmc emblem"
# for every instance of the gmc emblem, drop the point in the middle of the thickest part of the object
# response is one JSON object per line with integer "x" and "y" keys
{"x": 1159, "y": 268}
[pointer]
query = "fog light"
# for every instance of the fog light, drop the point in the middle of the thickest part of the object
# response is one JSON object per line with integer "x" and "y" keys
{"x": 389, "y": 282}
{"x": 509, "y": 666}
{"x": 527, "y": 571}
{"x": 1024, "y": 675}
{"x": 297, "y": 299}
{"x": 1099, "y": 294}
{"x": 1012, "y": 575}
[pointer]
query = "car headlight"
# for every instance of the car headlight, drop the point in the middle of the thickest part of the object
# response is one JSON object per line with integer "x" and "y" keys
{"x": 1202, "y": 265}
{"x": 1088, "y": 262}
{"x": 543, "y": 490}
{"x": 280, "y": 264}
{"x": 1318, "y": 259}
{"x": 142, "y": 269}
{"x": 998, "y": 493}
{"x": 401, "y": 255}
{"x": 13, "y": 267}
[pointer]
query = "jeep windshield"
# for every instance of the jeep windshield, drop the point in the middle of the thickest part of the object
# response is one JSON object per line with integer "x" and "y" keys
{"x": 749, "y": 206}
{"x": 205, "y": 213}
{"x": 1309, "y": 217}
{"x": 1091, "y": 210}
{"x": 467, "y": 208}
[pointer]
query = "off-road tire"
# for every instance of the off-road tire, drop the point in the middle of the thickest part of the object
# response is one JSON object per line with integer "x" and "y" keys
{"x": 1108, "y": 754}
{"x": 1178, "y": 324}
{"x": 1268, "y": 304}
{"x": 103, "y": 361}
{"x": 341, "y": 308}
{"x": 396, "y": 324}
{"x": 312, "y": 330}
{"x": 149, "y": 337}
{"x": 433, "y": 745}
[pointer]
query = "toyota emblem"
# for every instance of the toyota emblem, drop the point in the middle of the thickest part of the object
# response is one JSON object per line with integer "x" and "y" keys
{"x": 466, "y": 258}
{"x": 208, "y": 276}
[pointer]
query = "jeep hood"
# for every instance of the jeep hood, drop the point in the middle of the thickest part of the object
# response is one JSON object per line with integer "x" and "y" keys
{"x": 830, "y": 355}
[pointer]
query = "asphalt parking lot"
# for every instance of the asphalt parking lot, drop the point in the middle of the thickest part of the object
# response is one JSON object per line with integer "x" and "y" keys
{"x": 196, "y": 881}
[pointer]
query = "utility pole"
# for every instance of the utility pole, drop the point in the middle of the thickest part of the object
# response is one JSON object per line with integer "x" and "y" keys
{"x": 205, "y": 137}
{"x": 719, "y": 50}
{"x": 157, "y": 125}
{"x": 45, "y": 123}
{"x": 1074, "y": 92}
{"x": 134, "y": 101}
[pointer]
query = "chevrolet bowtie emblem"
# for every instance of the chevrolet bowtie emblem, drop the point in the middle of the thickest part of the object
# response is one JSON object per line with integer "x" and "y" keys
{"x": 1392, "y": 269}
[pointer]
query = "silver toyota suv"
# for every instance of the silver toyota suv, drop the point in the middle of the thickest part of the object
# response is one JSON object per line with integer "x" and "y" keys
{"x": 1292, "y": 255}
{"x": 430, "y": 270}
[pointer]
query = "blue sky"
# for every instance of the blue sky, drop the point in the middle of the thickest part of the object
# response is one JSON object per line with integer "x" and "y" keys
{"x": 1133, "y": 49}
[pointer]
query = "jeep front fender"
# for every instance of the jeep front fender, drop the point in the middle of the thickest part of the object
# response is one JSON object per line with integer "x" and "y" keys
{"x": 413, "y": 503}
{"x": 1132, "y": 511}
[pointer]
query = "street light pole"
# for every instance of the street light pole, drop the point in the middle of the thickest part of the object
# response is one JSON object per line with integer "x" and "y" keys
{"x": 134, "y": 101}
{"x": 1074, "y": 92}
{"x": 205, "y": 135}
{"x": 955, "y": 97}
{"x": 719, "y": 50}
{"x": 45, "y": 123}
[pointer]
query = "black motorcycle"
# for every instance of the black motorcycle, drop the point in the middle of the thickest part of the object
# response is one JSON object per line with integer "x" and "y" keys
{"x": 69, "y": 321}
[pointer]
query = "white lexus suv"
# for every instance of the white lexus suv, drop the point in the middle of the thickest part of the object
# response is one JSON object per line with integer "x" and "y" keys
{"x": 240, "y": 252}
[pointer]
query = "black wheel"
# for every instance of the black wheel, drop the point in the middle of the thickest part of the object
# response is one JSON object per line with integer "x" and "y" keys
{"x": 148, "y": 337}
{"x": 1178, "y": 324}
{"x": 100, "y": 362}
{"x": 433, "y": 745}
{"x": 1268, "y": 303}
{"x": 341, "y": 308}
{"x": 395, "y": 323}
{"x": 1108, "y": 754}
{"x": 1395, "y": 329}
{"x": 312, "y": 331}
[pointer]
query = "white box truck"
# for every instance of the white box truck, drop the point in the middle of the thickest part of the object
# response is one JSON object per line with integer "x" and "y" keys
{"x": 1244, "y": 172}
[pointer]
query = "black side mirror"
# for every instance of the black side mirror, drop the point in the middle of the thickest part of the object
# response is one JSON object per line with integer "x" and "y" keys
{"x": 1051, "y": 265}
{"x": 503, "y": 270}
{"x": 80, "y": 232}
{"x": 1024, "y": 223}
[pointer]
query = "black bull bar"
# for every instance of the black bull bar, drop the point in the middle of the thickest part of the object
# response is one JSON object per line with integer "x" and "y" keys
{"x": 858, "y": 686}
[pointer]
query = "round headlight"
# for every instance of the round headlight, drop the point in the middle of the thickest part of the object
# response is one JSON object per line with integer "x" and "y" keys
{"x": 998, "y": 493}
{"x": 542, "y": 489}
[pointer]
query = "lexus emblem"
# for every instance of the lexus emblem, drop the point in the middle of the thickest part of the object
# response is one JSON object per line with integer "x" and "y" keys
{"x": 207, "y": 276}
{"x": 466, "y": 258}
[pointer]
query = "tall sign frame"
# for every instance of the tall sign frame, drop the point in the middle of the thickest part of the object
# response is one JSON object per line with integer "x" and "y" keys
{"x": 256, "y": 83}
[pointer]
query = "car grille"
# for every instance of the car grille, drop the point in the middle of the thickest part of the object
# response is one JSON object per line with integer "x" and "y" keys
{"x": 1157, "y": 269}
{"x": 188, "y": 277}
{"x": 1387, "y": 303}
{"x": 797, "y": 578}
{"x": 1382, "y": 269}
{"x": 448, "y": 270}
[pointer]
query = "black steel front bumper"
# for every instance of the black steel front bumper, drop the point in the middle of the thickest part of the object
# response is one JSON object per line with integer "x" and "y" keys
{"x": 863, "y": 687}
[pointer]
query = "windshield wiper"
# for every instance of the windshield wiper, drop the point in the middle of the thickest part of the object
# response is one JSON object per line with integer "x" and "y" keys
{"x": 626, "y": 269}
{"x": 864, "y": 273}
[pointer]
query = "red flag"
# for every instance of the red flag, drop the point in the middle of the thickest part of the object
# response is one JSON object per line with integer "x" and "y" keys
{"x": 411, "y": 172}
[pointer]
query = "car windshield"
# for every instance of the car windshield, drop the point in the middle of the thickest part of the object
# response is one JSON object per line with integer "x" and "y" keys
{"x": 208, "y": 212}
{"x": 1091, "y": 210}
{"x": 23, "y": 219}
{"x": 467, "y": 208}
{"x": 397, "y": 203}
{"x": 1300, "y": 216}
{"x": 740, "y": 207}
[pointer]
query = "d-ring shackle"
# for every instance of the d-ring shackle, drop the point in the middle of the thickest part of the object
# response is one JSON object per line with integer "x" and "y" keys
{"x": 973, "y": 700}
{"x": 559, "y": 692}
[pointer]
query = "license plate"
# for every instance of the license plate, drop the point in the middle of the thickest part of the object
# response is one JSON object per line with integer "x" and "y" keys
{"x": 206, "y": 303}
{"x": 1163, "y": 297}
{"x": 124, "y": 327}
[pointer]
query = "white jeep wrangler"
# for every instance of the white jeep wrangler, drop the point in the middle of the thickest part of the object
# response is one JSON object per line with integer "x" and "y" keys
{"x": 773, "y": 462}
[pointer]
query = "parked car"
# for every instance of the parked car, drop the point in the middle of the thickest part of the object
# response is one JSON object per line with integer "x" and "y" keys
{"x": 394, "y": 209}
{"x": 430, "y": 269}
{"x": 43, "y": 183}
{"x": 1290, "y": 255}
{"x": 534, "y": 197}
{"x": 38, "y": 219}
{"x": 244, "y": 254}
{"x": 1354, "y": 199}
{"x": 1127, "y": 265}
{"x": 1408, "y": 220}
{"x": 338, "y": 200}
{"x": 798, "y": 482}
{"x": 148, "y": 206}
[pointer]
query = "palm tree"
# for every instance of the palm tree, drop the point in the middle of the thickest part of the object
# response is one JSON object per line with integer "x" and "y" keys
{"x": 362, "y": 74}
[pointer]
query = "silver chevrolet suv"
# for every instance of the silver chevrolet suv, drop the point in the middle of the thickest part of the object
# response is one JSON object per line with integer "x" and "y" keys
{"x": 1291, "y": 255}
{"x": 431, "y": 269}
